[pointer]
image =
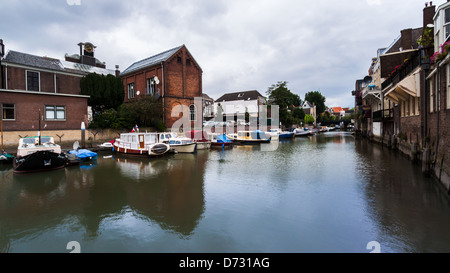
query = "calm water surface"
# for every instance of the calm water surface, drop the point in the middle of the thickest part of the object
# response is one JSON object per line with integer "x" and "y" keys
{"x": 327, "y": 193}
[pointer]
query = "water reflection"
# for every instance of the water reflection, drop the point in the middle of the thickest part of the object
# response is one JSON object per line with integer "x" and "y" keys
{"x": 166, "y": 191}
{"x": 406, "y": 206}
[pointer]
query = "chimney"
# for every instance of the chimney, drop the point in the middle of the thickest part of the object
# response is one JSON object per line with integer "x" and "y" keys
{"x": 406, "y": 41}
{"x": 428, "y": 14}
{"x": 117, "y": 71}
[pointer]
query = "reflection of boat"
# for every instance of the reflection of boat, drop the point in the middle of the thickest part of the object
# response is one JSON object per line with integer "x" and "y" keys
{"x": 179, "y": 144}
{"x": 199, "y": 138}
{"x": 38, "y": 154}
{"x": 220, "y": 141}
{"x": 140, "y": 144}
{"x": 280, "y": 134}
{"x": 249, "y": 137}
{"x": 301, "y": 132}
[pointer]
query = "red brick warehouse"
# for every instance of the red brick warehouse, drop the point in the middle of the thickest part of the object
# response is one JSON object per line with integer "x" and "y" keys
{"x": 173, "y": 75}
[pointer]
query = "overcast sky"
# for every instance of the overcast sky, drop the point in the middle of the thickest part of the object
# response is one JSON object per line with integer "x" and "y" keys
{"x": 323, "y": 45}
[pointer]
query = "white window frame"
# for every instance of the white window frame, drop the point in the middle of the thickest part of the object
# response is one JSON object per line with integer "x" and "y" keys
{"x": 131, "y": 88}
{"x": 39, "y": 80}
{"x": 56, "y": 109}
{"x": 150, "y": 87}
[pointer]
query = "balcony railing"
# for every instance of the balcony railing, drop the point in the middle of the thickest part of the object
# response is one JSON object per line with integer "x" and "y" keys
{"x": 383, "y": 115}
{"x": 403, "y": 71}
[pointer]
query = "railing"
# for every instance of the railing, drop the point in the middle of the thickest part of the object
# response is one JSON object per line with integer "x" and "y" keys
{"x": 403, "y": 71}
{"x": 383, "y": 115}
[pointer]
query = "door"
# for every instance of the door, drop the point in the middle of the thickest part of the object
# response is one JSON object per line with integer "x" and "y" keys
{"x": 141, "y": 141}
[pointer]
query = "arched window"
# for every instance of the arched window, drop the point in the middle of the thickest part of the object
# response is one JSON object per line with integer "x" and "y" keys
{"x": 192, "y": 115}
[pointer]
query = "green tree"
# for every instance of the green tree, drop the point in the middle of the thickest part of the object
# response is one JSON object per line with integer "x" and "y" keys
{"x": 309, "y": 119}
{"x": 318, "y": 99}
{"x": 105, "y": 92}
{"x": 287, "y": 101}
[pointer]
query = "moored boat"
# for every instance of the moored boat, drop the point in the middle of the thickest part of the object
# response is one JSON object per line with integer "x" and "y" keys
{"x": 6, "y": 158}
{"x": 38, "y": 154}
{"x": 280, "y": 134}
{"x": 301, "y": 132}
{"x": 220, "y": 141}
{"x": 199, "y": 138}
{"x": 140, "y": 144}
{"x": 250, "y": 137}
{"x": 179, "y": 144}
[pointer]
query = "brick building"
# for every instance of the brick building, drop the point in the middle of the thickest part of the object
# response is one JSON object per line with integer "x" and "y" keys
{"x": 33, "y": 84}
{"x": 175, "y": 77}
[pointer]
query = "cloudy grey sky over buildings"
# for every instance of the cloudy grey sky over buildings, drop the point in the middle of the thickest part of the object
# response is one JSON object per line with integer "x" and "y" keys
{"x": 323, "y": 45}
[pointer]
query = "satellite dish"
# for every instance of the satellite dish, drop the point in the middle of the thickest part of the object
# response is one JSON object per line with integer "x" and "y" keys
{"x": 156, "y": 80}
{"x": 367, "y": 79}
{"x": 76, "y": 145}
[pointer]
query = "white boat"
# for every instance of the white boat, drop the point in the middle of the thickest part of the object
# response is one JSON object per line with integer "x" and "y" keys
{"x": 38, "y": 153}
{"x": 140, "y": 144}
{"x": 301, "y": 132}
{"x": 178, "y": 143}
{"x": 280, "y": 134}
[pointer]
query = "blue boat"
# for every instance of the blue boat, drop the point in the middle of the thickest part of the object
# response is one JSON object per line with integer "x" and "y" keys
{"x": 83, "y": 154}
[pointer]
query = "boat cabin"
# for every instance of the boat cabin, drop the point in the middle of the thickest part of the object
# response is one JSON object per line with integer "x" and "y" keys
{"x": 137, "y": 141}
{"x": 29, "y": 145}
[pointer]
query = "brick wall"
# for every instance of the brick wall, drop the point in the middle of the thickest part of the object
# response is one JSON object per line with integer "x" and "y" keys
{"x": 27, "y": 107}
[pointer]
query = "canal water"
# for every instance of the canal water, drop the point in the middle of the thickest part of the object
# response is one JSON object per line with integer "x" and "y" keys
{"x": 327, "y": 193}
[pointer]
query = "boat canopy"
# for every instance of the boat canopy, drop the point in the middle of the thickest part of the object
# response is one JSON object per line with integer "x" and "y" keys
{"x": 223, "y": 139}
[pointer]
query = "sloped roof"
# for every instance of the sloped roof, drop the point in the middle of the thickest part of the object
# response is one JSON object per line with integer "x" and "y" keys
{"x": 15, "y": 57}
{"x": 243, "y": 95}
{"x": 158, "y": 58}
{"x": 33, "y": 61}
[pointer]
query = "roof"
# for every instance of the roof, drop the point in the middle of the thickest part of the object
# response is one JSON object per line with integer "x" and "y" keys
{"x": 15, "y": 57}
{"x": 242, "y": 95}
{"x": 336, "y": 109}
{"x": 150, "y": 61}
{"x": 307, "y": 104}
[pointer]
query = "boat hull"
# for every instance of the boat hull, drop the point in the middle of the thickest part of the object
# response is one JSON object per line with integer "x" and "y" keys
{"x": 223, "y": 145}
{"x": 184, "y": 148}
{"x": 39, "y": 161}
{"x": 203, "y": 145}
{"x": 154, "y": 150}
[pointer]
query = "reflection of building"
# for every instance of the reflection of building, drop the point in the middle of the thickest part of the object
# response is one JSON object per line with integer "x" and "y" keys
{"x": 52, "y": 86}
{"x": 173, "y": 76}
{"x": 238, "y": 103}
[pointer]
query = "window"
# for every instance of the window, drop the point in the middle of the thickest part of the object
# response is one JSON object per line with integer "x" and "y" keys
{"x": 448, "y": 87}
{"x": 192, "y": 114}
{"x": 8, "y": 112}
{"x": 53, "y": 112}
{"x": 32, "y": 81}
{"x": 447, "y": 23}
{"x": 179, "y": 60}
{"x": 431, "y": 95}
{"x": 150, "y": 87}
{"x": 131, "y": 90}
{"x": 188, "y": 62}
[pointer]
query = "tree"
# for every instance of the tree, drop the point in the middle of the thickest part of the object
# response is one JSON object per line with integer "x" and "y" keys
{"x": 105, "y": 92}
{"x": 309, "y": 119}
{"x": 318, "y": 99}
{"x": 287, "y": 101}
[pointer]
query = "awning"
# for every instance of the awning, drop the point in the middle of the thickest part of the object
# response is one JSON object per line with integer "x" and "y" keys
{"x": 409, "y": 86}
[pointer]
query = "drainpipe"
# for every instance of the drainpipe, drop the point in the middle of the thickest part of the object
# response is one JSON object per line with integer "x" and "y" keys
{"x": 163, "y": 93}
{"x": 438, "y": 93}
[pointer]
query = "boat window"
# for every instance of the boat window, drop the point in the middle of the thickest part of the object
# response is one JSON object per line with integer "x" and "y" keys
{"x": 162, "y": 136}
{"x": 28, "y": 141}
{"x": 133, "y": 139}
{"x": 167, "y": 135}
{"x": 45, "y": 139}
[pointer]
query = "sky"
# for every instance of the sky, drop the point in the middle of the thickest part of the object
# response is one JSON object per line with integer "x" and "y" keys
{"x": 313, "y": 45}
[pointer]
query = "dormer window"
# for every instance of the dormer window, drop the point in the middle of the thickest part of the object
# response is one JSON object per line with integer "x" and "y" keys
{"x": 240, "y": 95}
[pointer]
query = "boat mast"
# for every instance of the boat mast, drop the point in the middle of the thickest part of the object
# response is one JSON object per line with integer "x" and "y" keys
{"x": 39, "y": 132}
